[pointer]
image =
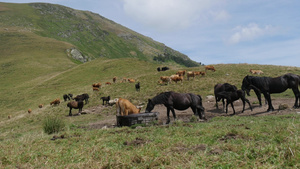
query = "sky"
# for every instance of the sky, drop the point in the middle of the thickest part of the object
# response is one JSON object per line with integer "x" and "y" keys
{"x": 265, "y": 32}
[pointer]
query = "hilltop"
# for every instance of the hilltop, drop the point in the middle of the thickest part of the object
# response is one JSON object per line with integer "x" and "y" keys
{"x": 91, "y": 35}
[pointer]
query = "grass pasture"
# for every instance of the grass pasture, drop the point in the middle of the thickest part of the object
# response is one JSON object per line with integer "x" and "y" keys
{"x": 223, "y": 142}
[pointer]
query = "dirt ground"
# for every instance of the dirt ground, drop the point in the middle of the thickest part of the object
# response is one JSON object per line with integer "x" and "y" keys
{"x": 109, "y": 120}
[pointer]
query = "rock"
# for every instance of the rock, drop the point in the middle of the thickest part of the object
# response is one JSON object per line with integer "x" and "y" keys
{"x": 76, "y": 54}
{"x": 210, "y": 97}
{"x": 283, "y": 106}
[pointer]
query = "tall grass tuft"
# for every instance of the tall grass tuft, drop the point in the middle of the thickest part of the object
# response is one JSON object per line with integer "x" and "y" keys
{"x": 53, "y": 125}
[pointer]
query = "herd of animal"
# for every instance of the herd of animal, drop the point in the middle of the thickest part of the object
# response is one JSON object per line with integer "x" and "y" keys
{"x": 182, "y": 101}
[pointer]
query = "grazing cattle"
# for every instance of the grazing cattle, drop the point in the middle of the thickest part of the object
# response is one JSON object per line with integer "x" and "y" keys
{"x": 181, "y": 73}
{"x": 209, "y": 67}
{"x": 105, "y": 99}
{"x": 165, "y": 68}
{"x": 29, "y": 111}
{"x": 125, "y": 107}
{"x": 137, "y": 87}
{"x": 158, "y": 69}
{"x": 178, "y": 101}
{"x": 41, "y": 105}
{"x": 202, "y": 73}
{"x": 124, "y": 79}
{"x": 221, "y": 88}
{"x": 269, "y": 85}
{"x": 83, "y": 97}
{"x": 131, "y": 80}
{"x": 114, "y": 79}
{"x": 95, "y": 89}
{"x": 256, "y": 71}
{"x": 98, "y": 85}
{"x": 55, "y": 102}
{"x": 107, "y": 83}
{"x": 176, "y": 78}
{"x": 190, "y": 74}
{"x": 9, "y": 116}
{"x": 165, "y": 79}
{"x": 233, "y": 96}
{"x": 75, "y": 105}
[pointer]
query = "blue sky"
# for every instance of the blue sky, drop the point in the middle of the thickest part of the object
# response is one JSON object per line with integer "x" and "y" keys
{"x": 209, "y": 31}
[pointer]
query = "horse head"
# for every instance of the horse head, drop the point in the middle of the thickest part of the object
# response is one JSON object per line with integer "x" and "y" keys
{"x": 150, "y": 106}
{"x": 246, "y": 85}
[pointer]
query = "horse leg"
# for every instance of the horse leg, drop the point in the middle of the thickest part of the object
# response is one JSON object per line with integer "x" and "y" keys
{"x": 248, "y": 103}
{"x": 268, "y": 97}
{"x": 243, "y": 100}
{"x": 168, "y": 115}
{"x": 79, "y": 111}
{"x": 216, "y": 102}
{"x": 233, "y": 107}
{"x": 70, "y": 112}
{"x": 297, "y": 95}
{"x": 258, "y": 94}
{"x": 224, "y": 105}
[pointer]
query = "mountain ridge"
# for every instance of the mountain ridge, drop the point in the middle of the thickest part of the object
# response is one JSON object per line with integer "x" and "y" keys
{"x": 92, "y": 34}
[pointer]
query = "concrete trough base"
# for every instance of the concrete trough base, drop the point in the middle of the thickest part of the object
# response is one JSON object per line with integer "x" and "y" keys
{"x": 142, "y": 118}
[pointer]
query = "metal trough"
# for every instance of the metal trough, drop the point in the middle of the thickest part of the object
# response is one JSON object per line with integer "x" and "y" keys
{"x": 142, "y": 118}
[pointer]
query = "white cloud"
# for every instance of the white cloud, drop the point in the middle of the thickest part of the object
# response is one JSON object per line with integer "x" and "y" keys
{"x": 250, "y": 32}
{"x": 166, "y": 15}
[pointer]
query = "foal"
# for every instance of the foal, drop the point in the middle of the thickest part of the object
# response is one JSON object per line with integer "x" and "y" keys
{"x": 106, "y": 99}
{"x": 233, "y": 96}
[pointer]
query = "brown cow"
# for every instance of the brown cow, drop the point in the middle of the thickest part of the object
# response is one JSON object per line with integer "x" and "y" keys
{"x": 190, "y": 74}
{"x": 107, "y": 83}
{"x": 176, "y": 78}
{"x": 41, "y": 105}
{"x": 209, "y": 67}
{"x": 29, "y": 111}
{"x": 181, "y": 73}
{"x": 125, "y": 107}
{"x": 114, "y": 79}
{"x": 98, "y": 85}
{"x": 95, "y": 89}
{"x": 256, "y": 71}
{"x": 165, "y": 79}
{"x": 55, "y": 102}
{"x": 131, "y": 80}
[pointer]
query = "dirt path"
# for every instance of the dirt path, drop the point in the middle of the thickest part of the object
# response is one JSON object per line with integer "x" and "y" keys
{"x": 210, "y": 111}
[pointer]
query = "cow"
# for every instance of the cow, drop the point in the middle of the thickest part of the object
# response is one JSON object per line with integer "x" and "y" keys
{"x": 131, "y": 80}
{"x": 165, "y": 79}
{"x": 114, "y": 79}
{"x": 176, "y": 78}
{"x": 125, "y": 107}
{"x": 55, "y": 102}
{"x": 256, "y": 71}
{"x": 181, "y": 73}
{"x": 190, "y": 74}
{"x": 209, "y": 67}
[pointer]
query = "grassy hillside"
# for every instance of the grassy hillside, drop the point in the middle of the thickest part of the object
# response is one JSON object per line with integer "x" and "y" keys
{"x": 94, "y": 35}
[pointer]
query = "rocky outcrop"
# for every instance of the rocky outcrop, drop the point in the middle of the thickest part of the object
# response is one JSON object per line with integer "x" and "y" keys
{"x": 77, "y": 55}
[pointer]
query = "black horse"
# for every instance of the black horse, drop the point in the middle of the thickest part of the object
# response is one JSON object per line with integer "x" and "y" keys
{"x": 221, "y": 88}
{"x": 268, "y": 85}
{"x": 178, "y": 101}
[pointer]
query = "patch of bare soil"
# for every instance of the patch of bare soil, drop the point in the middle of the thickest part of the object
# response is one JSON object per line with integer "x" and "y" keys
{"x": 210, "y": 111}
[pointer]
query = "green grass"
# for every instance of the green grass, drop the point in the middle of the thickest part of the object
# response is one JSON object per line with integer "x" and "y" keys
{"x": 240, "y": 142}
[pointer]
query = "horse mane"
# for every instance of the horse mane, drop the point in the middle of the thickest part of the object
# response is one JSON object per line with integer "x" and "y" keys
{"x": 161, "y": 98}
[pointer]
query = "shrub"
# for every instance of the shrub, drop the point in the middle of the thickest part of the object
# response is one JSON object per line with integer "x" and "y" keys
{"x": 53, "y": 125}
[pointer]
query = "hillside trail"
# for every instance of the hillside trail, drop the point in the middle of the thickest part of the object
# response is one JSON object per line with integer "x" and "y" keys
{"x": 109, "y": 119}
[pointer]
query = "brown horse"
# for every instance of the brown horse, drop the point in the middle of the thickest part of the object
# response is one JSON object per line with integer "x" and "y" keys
{"x": 178, "y": 101}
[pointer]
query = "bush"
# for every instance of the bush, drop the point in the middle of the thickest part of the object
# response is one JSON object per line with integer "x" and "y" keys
{"x": 53, "y": 125}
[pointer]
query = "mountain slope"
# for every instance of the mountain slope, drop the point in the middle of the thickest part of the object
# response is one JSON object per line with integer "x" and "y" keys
{"x": 94, "y": 35}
